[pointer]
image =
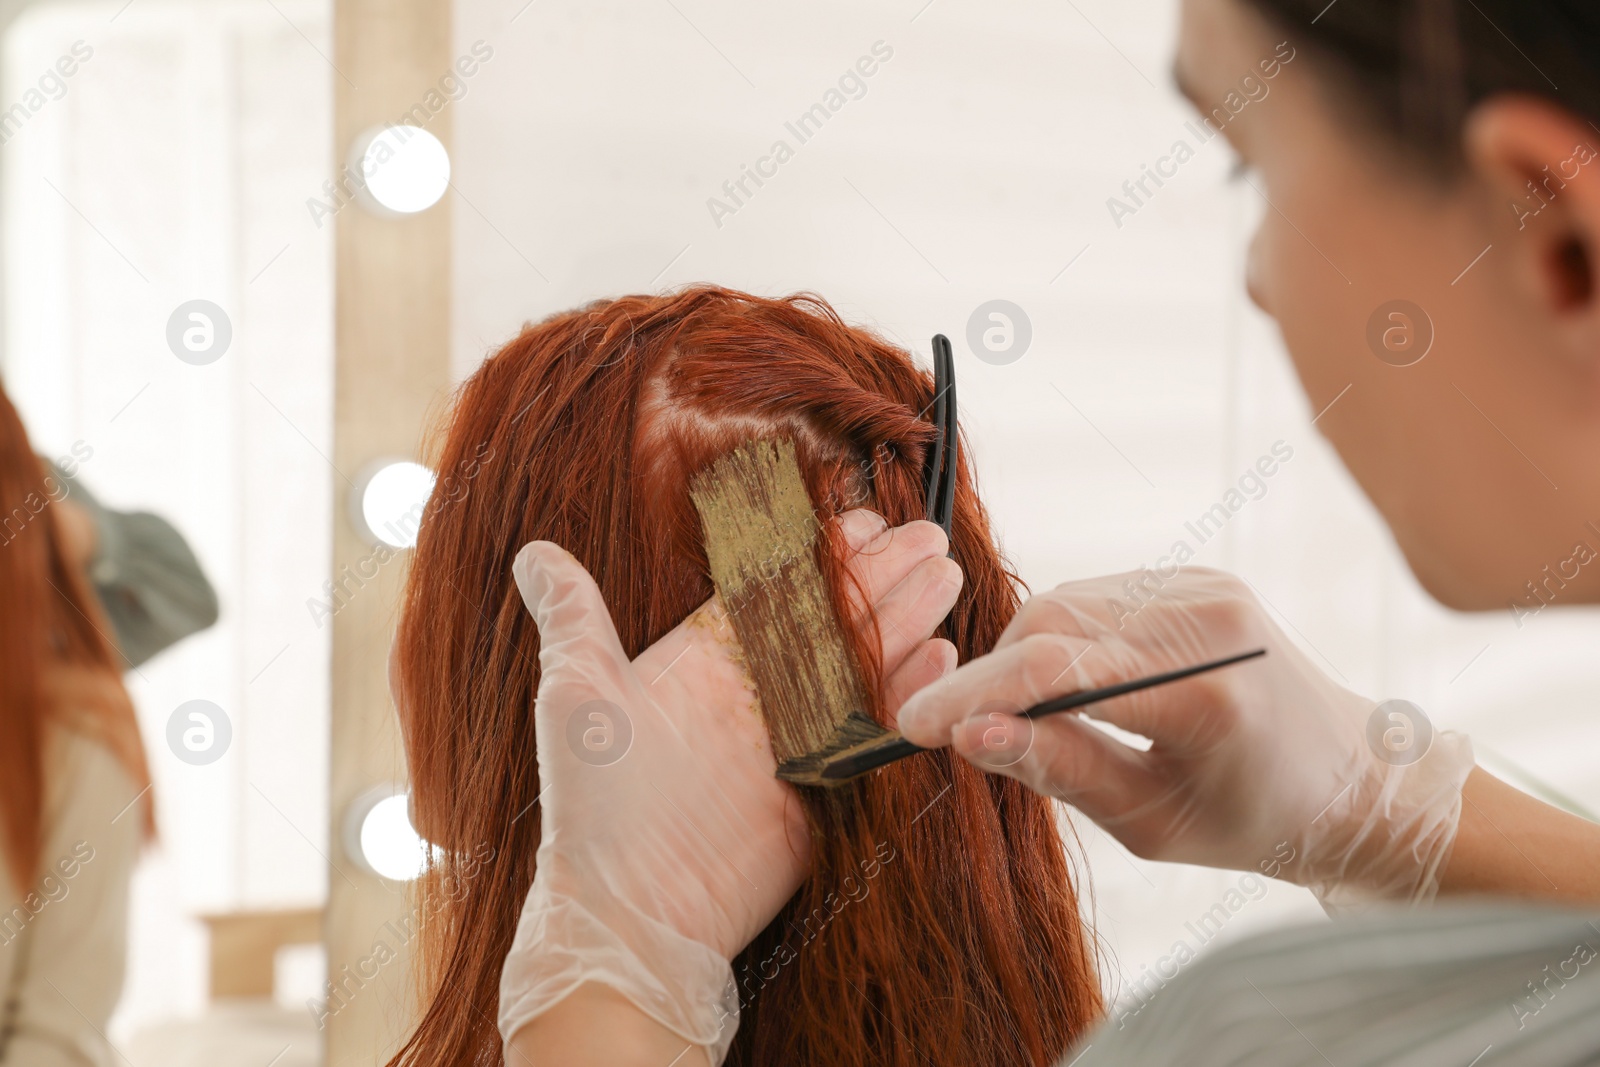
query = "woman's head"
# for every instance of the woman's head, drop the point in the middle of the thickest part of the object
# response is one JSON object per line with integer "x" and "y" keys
{"x": 56, "y": 665}
{"x": 1429, "y": 194}
{"x": 939, "y": 899}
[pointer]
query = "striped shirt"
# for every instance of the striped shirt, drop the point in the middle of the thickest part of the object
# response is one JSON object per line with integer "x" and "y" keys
{"x": 1458, "y": 985}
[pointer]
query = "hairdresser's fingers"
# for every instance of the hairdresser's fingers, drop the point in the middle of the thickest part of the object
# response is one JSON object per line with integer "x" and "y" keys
{"x": 1183, "y": 718}
{"x": 884, "y": 560}
{"x": 1061, "y": 756}
{"x": 908, "y": 614}
{"x": 1020, "y": 675}
{"x": 926, "y": 664}
{"x": 576, "y": 635}
{"x": 860, "y": 526}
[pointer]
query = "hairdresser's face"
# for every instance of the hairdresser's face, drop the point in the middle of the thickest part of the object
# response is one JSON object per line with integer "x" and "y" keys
{"x": 1484, "y": 456}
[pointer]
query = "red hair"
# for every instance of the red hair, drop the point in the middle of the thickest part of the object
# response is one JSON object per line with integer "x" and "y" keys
{"x": 938, "y": 921}
{"x": 57, "y": 666}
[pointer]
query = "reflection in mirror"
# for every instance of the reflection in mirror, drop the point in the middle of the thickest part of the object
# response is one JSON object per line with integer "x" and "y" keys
{"x": 168, "y": 306}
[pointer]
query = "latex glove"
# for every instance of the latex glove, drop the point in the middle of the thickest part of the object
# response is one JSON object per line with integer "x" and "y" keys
{"x": 667, "y": 844}
{"x": 1266, "y": 765}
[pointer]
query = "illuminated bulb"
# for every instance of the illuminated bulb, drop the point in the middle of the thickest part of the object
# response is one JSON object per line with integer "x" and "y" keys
{"x": 406, "y": 168}
{"x": 390, "y": 501}
{"x": 390, "y": 847}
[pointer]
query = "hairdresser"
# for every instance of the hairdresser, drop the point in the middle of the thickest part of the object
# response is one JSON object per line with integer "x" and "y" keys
{"x": 1416, "y": 151}
{"x": 1432, "y": 256}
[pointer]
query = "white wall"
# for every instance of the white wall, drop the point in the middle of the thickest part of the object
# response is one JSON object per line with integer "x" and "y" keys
{"x": 176, "y": 165}
{"x": 978, "y": 165}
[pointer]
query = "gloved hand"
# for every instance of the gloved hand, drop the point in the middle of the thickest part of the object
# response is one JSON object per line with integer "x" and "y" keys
{"x": 667, "y": 844}
{"x": 1266, "y": 765}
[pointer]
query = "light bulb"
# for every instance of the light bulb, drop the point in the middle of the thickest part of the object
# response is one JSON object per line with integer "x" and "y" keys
{"x": 405, "y": 169}
{"x": 390, "y": 846}
{"x": 389, "y": 501}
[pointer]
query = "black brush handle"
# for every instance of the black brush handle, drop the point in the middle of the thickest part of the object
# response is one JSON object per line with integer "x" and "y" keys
{"x": 896, "y": 747}
{"x": 1094, "y": 696}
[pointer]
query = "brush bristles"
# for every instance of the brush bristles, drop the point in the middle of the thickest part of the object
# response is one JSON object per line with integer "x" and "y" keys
{"x": 761, "y": 540}
{"x": 856, "y": 732}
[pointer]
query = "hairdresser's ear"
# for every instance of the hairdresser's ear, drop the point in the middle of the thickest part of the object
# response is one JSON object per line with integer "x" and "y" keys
{"x": 1541, "y": 166}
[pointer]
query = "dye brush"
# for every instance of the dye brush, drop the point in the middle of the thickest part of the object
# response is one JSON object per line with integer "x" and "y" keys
{"x": 861, "y": 745}
{"x": 762, "y": 539}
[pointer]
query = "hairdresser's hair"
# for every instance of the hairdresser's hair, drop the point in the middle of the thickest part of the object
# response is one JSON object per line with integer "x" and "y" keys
{"x": 939, "y": 921}
{"x": 1413, "y": 69}
{"x": 57, "y": 668}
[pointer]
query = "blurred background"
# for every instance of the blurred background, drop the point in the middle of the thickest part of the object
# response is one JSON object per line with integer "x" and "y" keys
{"x": 198, "y": 152}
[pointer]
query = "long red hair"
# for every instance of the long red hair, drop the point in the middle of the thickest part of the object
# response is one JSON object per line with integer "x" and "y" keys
{"x": 57, "y": 664}
{"x": 939, "y": 920}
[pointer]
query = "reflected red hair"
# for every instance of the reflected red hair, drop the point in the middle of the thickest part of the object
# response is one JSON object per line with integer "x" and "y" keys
{"x": 57, "y": 666}
{"x": 939, "y": 921}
